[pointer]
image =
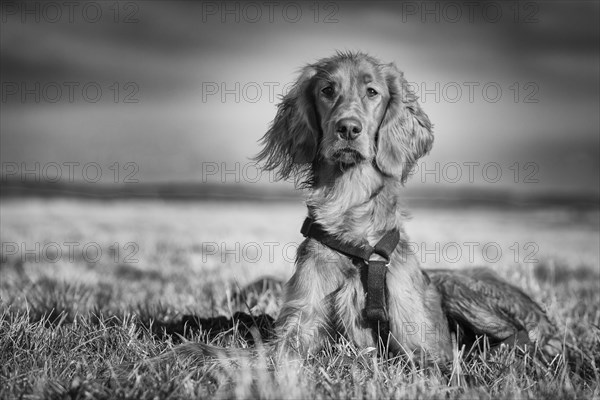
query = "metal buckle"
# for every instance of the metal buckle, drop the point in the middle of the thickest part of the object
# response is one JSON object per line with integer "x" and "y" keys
{"x": 380, "y": 257}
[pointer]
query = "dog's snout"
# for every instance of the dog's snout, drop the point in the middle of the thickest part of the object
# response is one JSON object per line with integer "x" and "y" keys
{"x": 348, "y": 128}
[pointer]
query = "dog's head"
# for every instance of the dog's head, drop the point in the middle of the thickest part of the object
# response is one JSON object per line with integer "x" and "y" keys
{"x": 344, "y": 111}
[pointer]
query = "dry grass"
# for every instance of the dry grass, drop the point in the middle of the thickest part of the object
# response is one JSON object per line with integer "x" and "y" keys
{"x": 67, "y": 324}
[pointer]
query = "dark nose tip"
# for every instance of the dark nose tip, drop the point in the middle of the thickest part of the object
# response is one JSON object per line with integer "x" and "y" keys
{"x": 348, "y": 128}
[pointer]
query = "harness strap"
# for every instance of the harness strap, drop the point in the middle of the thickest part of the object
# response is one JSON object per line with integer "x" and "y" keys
{"x": 375, "y": 270}
{"x": 314, "y": 230}
{"x": 385, "y": 247}
{"x": 376, "y": 307}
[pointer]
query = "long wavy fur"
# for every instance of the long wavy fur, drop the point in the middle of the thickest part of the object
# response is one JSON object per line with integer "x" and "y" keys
{"x": 357, "y": 200}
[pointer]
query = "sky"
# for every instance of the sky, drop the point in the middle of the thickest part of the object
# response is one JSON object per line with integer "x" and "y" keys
{"x": 167, "y": 91}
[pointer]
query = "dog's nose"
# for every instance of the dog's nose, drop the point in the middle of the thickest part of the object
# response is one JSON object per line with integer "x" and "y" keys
{"x": 348, "y": 128}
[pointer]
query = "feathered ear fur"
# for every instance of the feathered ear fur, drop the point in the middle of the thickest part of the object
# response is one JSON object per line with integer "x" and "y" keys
{"x": 405, "y": 134}
{"x": 290, "y": 145}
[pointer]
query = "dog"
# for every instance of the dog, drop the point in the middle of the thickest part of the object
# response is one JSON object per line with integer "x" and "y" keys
{"x": 350, "y": 130}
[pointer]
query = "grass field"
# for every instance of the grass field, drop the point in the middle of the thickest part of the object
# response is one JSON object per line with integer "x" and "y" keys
{"x": 85, "y": 284}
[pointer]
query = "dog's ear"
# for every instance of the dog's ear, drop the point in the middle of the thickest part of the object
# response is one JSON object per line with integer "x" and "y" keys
{"x": 405, "y": 133}
{"x": 292, "y": 140}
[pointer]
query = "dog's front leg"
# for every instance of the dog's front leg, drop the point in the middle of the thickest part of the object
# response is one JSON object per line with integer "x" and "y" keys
{"x": 303, "y": 325}
{"x": 416, "y": 318}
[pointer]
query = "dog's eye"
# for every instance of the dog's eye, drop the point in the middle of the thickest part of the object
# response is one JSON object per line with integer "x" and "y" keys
{"x": 327, "y": 91}
{"x": 372, "y": 92}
